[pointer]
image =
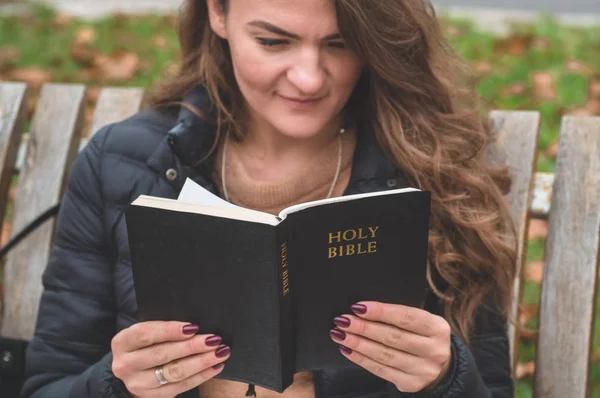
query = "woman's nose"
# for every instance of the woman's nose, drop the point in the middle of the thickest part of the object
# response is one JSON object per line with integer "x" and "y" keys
{"x": 307, "y": 74}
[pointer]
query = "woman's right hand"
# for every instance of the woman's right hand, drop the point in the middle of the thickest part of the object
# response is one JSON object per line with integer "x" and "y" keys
{"x": 187, "y": 360}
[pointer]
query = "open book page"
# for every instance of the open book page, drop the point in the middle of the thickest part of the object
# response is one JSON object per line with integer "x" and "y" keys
{"x": 195, "y": 193}
{"x": 192, "y": 192}
{"x": 233, "y": 213}
{"x": 302, "y": 206}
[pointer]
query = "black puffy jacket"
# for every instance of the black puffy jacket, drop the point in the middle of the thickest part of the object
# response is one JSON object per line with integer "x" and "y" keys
{"x": 88, "y": 287}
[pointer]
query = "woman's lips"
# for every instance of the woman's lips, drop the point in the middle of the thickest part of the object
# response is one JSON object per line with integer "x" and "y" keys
{"x": 301, "y": 103}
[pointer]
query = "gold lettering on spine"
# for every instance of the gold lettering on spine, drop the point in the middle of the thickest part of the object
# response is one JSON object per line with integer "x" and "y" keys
{"x": 285, "y": 275}
{"x": 350, "y": 242}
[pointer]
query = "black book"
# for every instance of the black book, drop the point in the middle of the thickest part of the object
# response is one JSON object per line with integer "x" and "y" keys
{"x": 271, "y": 285}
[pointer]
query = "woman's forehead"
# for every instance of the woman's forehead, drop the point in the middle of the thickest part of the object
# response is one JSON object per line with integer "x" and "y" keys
{"x": 286, "y": 11}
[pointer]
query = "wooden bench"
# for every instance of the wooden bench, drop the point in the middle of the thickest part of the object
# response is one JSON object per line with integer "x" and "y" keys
{"x": 569, "y": 199}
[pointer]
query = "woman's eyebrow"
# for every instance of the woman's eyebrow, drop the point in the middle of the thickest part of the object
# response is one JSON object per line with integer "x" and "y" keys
{"x": 278, "y": 31}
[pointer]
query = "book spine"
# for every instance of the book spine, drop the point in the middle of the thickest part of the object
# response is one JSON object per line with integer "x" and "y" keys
{"x": 286, "y": 336}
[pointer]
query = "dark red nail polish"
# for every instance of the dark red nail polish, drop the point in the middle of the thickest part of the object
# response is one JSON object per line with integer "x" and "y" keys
{"x": 359, "y": 309}
{"x": 219, "y": 366}
{"x": 213, "y": 341}
{"x": 345, "y": 350}
{"x": 341, "y": 321}
{"x": 223, "y": 351}
{"x": 337, "y": 335}
{"x": 190, "y": 329}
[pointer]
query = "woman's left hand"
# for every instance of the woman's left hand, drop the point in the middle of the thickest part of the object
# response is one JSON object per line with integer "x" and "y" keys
{"x": 406, "y": 346}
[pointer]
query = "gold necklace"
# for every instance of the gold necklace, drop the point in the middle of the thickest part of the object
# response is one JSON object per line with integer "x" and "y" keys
{"x": 335, "y": 177}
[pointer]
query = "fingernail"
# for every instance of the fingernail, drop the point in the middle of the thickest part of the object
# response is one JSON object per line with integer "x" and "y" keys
{"x": 190, "y": 329}
{"x": 359, "y": 309}
{"x": 345, "y": 350}
{"x": 213, "y": 341}
{"x": 219, "y": 366}
{"x": 337, "y": 334}
{"x": 223, "y": 351}
{"x": 341, "y": 321}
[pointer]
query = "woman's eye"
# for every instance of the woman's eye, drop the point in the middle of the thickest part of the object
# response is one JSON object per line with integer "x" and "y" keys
{"x": 337, "y": 44}
{"x": 271, "y": 42}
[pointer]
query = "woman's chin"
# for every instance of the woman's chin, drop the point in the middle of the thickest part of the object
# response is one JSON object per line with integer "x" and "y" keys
{"x": 301, "y": 130}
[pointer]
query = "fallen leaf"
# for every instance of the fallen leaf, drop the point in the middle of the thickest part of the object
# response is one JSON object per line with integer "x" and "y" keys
{"x": 527, "y": 335}
{"x": 534, "y": 271}
{"x": 516, "y": 45}
{"x": 5, "y": 236}
{"x": 86, "y": 74}
{"x": 524, "y": 369}
{"x": 85, "y": 35}
{"x": 172, "y": 20}
{"x": 483, "y": 67}
{"x": 538, "y": 229}
{"x": 161, "y": 41}
{"x": 552, "y": 150}
{"x": 515, "y": 89}
{"x": 453, "y": 31}
{"x": 9, "y": 55}
{"x": 594, "y": 106}
{"x": 578, "y": 112}
{"x": 543, "y": 85}
{"x": 82, "y": 54}
{"x": 62, "y": 20}
{"x": 579, "y": 67}
{"x": 119, "y": 66}
{"x": 540, "y": 43}
{"x": 93, "y": 93}
{"x": 591, "y": 108}
{"x": 595, "y": 89}
{"x": 35, "y": 77}
{"x": 88, "y": 118}
{"x": 526, "y": 312}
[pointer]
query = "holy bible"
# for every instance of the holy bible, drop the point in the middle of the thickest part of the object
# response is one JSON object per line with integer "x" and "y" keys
{"x": 271, "y": 285}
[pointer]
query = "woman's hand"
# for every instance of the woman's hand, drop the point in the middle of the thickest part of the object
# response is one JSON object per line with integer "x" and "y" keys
{"x": 186, "y": 359}
{"x": 406, "y": 346}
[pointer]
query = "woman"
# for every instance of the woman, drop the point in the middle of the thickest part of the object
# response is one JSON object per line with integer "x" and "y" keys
{"x": 279, "y": 102}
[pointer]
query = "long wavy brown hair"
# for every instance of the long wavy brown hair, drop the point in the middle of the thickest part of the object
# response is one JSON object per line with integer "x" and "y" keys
{"x": 419, "y": 97}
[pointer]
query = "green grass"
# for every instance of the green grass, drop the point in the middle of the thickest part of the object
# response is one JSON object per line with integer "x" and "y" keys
{"x": 45, "y": 42}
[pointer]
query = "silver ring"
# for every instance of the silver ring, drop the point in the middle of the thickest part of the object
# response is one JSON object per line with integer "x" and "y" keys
{"x": 160, "y": 376}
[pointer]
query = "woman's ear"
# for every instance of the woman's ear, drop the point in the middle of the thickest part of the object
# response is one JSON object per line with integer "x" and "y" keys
{"x": 216, "y": 15}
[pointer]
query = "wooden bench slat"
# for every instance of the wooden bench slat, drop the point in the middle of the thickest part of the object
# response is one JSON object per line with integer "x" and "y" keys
{"x": 114, "y": 105}
{"x": 54, "y": 140}
{"x": 516, "y": 146}
{"x": 13, "y": 106}
{"x": 571, "y": 267}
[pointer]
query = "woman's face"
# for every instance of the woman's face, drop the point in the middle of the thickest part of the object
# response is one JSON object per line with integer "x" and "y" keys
{"x": 290, "y": 62}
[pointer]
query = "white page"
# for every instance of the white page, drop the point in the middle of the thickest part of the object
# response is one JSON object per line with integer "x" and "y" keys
{"x": 233, "y": 212}
{"x": 195, "y": 193}
{"x": 302, "y": 206}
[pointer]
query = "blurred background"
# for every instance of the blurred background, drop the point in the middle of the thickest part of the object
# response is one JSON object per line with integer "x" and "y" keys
{"x": 541, "y": 55}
